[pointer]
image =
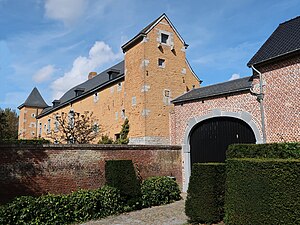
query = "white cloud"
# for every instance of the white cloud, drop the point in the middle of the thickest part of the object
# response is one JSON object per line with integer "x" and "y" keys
{"x": 66, "y": 11}
{"x": 43, "y": 74}
{"x": 234, "y": 76}
{"x": 99, "y": 54}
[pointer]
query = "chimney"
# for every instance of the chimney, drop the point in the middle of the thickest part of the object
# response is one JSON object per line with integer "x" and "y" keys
{"x": 92, "y": 75}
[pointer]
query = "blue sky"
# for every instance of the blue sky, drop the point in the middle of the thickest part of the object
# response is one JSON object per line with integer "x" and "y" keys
{"x": 53, "y": 44}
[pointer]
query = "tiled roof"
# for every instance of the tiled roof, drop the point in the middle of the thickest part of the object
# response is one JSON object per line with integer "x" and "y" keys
{"x": 34, "y": 100}
{"x": 228, "y": 87}
{"x": 284, "y": 40}
{"x": 144, "y": 31}
{"x": 88, "y": 87}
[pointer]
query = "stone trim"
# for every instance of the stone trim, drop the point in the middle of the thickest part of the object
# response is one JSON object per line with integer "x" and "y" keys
{"x": 244, "y": 116}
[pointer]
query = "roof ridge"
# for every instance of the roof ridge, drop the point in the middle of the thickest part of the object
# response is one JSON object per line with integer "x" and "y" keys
{"x": 228, "y": 81}
{"x": 287, "y": 21}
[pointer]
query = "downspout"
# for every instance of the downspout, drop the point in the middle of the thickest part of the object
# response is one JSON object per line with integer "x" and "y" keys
{"x": 260, "y": 99}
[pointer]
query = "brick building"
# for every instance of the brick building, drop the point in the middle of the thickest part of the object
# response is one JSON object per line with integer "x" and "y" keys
{"x": 264, "y": 107}
{"x": 154, "y": 71}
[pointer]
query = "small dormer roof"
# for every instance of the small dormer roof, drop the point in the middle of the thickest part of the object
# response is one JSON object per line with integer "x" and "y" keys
{"x": 34, "y": 100}
{"x": 139, "y": 37}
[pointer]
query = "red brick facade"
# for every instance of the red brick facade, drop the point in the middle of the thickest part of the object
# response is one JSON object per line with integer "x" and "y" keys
{"x": 281, "y": 104}
{"x": 62, "y": 169}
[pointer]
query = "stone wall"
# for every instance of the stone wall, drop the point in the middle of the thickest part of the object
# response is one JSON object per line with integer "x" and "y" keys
{"x": 37, "y": 170}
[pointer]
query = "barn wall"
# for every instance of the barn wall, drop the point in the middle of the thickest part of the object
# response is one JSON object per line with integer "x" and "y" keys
{"x": 56, "y": 169}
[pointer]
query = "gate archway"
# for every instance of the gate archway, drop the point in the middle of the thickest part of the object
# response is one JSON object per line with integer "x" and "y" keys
{"x": 210, "y": 138}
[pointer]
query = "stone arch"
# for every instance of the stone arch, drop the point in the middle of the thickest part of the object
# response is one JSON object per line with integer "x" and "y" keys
{"x": 244, "y": 116}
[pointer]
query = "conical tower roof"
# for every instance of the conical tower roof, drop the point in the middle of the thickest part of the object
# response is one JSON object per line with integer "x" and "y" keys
{"x": 34, "y": 100}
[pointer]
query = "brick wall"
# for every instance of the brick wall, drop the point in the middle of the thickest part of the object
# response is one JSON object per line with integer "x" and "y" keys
{"x": 32, "y": 170}
{"x": 282, "y": 97}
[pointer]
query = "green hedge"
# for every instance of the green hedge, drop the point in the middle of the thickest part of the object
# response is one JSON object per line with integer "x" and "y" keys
{"x": 274, "y": 150}
{"x": 262, "y": 191}
{"x": 205, "y": 195}
{"x": 63, "y": 209}
{"x": 159, "y": 190}
{"x": 121, "y": 175}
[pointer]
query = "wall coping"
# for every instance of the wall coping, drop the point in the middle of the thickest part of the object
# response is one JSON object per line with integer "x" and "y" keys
{"x": 110, "y": 147}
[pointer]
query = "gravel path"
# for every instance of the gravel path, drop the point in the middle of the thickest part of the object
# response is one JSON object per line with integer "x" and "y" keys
{"x": 171, "y": 214}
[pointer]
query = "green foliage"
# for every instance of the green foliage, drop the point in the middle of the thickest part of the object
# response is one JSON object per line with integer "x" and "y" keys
{"x": 105, "y": 139}
{"x": 159, "y": 190}
{"x": 123, "y": 139}
{"x": 274, "y": 150}
{"x": 262, "y": 191}
{"x": 121, "y": 175}
{"x": 8, "y": 124}
{"x": 206, "y": 191}
{"x": 63, "y": 209}
{"x": 25, "y": 141}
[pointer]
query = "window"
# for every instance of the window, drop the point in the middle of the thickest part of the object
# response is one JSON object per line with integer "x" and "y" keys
{"x": 119, "y": 86}
{"x": 96, "y": 97}
{"x": 123, "y": 113}
{"x": 161, "y": 63}
{"x": 164, "y": 38}
{"x": 71, "y": 119}
{"x": 96, "y": 127}
{"x": 49, "y": 126}
{"x": 40, "y": 129}
{"x": 32, "y": 124}
{"x": 117, "y": 115}
{"x": 56, "y": 124}
{"x": 117, "y": 136}
{"x": 32, "y": 115}
{"x": 133, "y": 101}
{"x": 167, "y": 93}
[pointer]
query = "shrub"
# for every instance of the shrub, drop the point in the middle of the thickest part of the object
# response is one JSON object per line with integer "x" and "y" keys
{"x": 105, "y": 139}
{"x": 121, "y": 175}
{"x": 262, "y": 191}
{"x": 205, "y": 195}
{"x": 63, "y": 209}
{"x": 274, "y": 150}
{"x": 159, "y": 190}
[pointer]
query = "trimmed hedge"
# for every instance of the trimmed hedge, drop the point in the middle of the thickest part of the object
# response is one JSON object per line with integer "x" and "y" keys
{"x": 274, "y": 150}
{"x": 262, "y": 191}
{"x": 159, "y": 190}
{"x": 205, "y": 195}
{"x": 121, "y": 175}
{"x": 63, "y": 209}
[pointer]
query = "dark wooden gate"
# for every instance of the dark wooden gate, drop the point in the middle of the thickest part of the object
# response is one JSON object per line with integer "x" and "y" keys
{"x": 210, "y": 138}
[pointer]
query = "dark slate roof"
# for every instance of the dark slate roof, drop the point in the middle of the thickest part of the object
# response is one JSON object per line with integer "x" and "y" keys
{"x": 34, "y": 100}
{"x": 228, "y": 87}
{"x": 284, "y": 40}
{"x": 88, "y": 87}
{"x": 137, "y": 38}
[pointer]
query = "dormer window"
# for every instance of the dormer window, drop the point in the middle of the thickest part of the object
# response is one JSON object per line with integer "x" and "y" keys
{"x": 164, "y": 38}
{"x": 113, "y": 73}
{"x": 79, "y": 91}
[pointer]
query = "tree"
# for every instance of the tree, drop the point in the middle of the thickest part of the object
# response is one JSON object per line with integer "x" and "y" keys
{"x": 8, "y": 124}
{"x": 75, "y": 128}
{"x": 123, "y": 139}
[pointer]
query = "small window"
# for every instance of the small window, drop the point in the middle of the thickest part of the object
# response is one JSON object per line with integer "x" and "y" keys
{"x": 167, "y": 93}
{"x": 32, "y": 115}
{"x": 117, "y": 136}
{"x": 119, "y": 87}
{"x": 96, "y": 128}
{"x": 96, "y": 97}
{"x": 123, "y": 113}
{"x": 117, "y": 115}
{"x": 49, "y": 126}
{"x": 161, "y": 63}
{"x": 164, "y": 38}
{"x": 133, "y": 101}
{"x": 56, "y": 124}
